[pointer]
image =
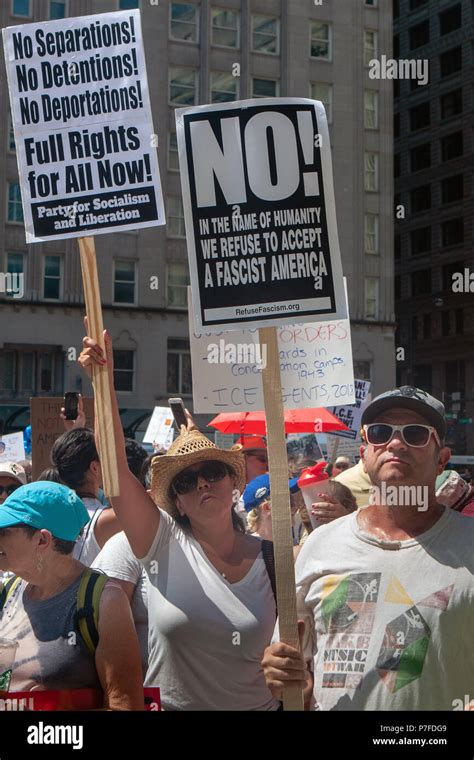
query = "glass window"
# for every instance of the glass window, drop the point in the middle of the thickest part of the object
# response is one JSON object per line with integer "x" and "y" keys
{"x": 124, "y": 281}
{"x": 52, "y": 278}
{"x": 176, "y": 227}
{"x": 419, "y": 35}
{"x": 420, "y": 240}
{"x": 184, "y": 22}
{"x": 420, "y": 199}
{"x": 182, "y": 86}
{"x": 45, "y": 372}
{"x": 370, "y": 46}
{"x": 450, "y": 61}
{"x": 420, "y": 116}
{"x": 15, "y": 208}
{"x": 124, "y": 362}
{"x": 420, "y": 157}
{"x": 15, "y": 263}
{"x": 26, "y": 362}
{"x": 178, "y": 281}
{"x": 371, "y": 172}
{"x": 265, "y": 88}
{"x": 173, "y": 157}
{"x": 372, "y": 3}
{"x": 57, "y": 9}
{"x": 452, "y": 146}
{"x": 415, "y": 4}
{"x": 265, "y": 34}
{"x": 450, "y": 19}
{"x": 225, "y": 28}
{"x": 451, "y": 104}
{"x": 128, "y": 5}
{"x": 7, "y": 370}
{"x": 15, "y": 267}
{"x": 371, "y": 300}
{"x": 371, "y": 233}
{"x": 323, "y": 92}
{"x": 421, "y": 282}
{"x": 223, "y": 87}
{"x": 179, "y": 367}
{"x": 452, "y": 232}
{"x": 362, "y": 369}
{"x": 11, "y": 147}
{"x": 371, "y": 117}
{"x": 452, "y": 189}
{"x": 21, "y": 8}
{"x": 321, "y": 41}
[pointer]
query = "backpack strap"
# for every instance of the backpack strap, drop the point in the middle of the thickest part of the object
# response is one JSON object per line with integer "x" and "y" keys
{"x": 7, "y": 589}
{"x": 269, "y": 559}
{"x": 87, "y": 607}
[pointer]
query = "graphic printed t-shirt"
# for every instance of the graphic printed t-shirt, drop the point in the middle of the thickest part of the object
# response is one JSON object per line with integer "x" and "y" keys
{"x": 392, "y": 621}
{"x": 206, "y": 635}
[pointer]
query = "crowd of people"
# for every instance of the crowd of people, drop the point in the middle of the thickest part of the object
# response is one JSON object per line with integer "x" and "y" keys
{"x": 172, "y": 583}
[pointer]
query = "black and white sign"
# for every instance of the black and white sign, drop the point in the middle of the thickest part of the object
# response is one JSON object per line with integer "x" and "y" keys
{"x": 260, "y": 216}
{"x": 83, "y": 127}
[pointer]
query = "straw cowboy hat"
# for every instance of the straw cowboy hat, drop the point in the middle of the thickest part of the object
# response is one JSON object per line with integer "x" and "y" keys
{"x": 190, "y": 448}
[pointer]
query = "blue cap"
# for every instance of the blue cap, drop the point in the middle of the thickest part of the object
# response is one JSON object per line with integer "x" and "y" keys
{"x": 258, "y": 490}
{"x": 47, "y": 505}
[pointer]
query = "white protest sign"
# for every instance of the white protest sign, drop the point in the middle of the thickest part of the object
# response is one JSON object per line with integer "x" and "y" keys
{"x": 351, "y": 415}
{"x": 12, "y": 447}
{"x": 83, "y": 126}
{"x": 260, "y": 214}
{"x": 160, "y": 428}
{"x": 315, "y": 364}
{"x": 340, "y": 447}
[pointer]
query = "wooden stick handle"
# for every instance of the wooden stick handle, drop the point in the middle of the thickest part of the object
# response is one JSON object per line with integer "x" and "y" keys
{"x": 281, "y": 514}
{"x": 100, "y": 378}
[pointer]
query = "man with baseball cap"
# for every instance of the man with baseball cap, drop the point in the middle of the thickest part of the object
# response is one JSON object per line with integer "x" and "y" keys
{"x": 386, "y": 594}
{"x": 12, "y": 476}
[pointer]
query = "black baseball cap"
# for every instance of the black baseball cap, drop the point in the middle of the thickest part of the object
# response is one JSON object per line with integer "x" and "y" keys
{"x": 408, "y": 397}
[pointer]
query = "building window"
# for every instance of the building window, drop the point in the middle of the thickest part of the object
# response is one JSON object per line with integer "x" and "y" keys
{"x": 176, "y": 227}
{"x": 15, "y": 208}
{"x": 371, "y": 118}
{"x": 177, "y": 283}
{"x": 459, "y": 321}
{"x": 371, "y": 233}
{"x": 124, "y": 281}
{"x": 396, "y": 125}
{"x": 323, "y": 92}
{"x": 396, "y": 164}
{"x": 265, "y": 34}
{"x": 124, "y": 364}
{"x": 223, "y": 87}
{"x": 57, "y": 9}
{"x": 452, "y": 189}
{"x": 184, "y": 22}
{"x": 398, "y": 247}
{"x": 182, "y": 86}
{"x": 421, "y": 282}
{"x": 420, "y": 199}
{"x": 362, "y": 370}
{"x": 452, "y": 232}
{"x": 21, "y": 8}
{"x": 225, "y": 28}
{"x": 15, "y": 266}
{"x": 451, "y": 104}
{"x": 420, "y": 157}
{"x": 372, "y": 3}
{"x": 24, "y": 372}
{"x": 371, "y": 172}
{"x": 52, "y": 278}
{"x": 452, "y": 146}
{"x": 420, "y": 116}
{"x": 450, "y": 19}
{"x": 128, "y": 5}
{"x": 415, "y": 4}
{"x": 370, "y": 46}
{"x": 371, "y": 299}
{"x": 11, "y": 147}
{"x": 320, "y": 41}
{"x": 7, "y": 370}
{"x": 396, "y": 48}
{"x": 419, "y": 34}
{"x": 420, "y": 240}
{"x": 445, "y": 323}
{"x": 265, "y": 88}
{"x": 173, "y": 156}
{"x": 426, "y": 326}
{"x": 450, "y": 61}
{"x": 448, "y": 271}
{"x": 398, "y": 287}
{"x": 179, "y": 367}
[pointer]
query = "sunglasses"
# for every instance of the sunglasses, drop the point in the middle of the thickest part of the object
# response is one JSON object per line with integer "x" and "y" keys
{"x": 418, "y": 436}
{"x": 187, "y": 480}
{"x": 8, "y": 489}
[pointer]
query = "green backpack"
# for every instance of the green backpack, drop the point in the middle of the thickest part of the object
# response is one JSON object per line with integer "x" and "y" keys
{"x": 87, "y": 604}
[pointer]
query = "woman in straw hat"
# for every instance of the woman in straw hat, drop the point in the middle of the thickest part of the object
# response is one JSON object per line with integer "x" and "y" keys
{"x": 210, "y": 602}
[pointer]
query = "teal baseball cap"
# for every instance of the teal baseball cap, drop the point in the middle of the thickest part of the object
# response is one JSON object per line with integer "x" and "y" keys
{"x": 45, "y": 505}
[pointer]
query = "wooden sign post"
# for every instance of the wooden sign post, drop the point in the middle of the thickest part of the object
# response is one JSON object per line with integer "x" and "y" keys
{"x": 100, "y": 377}
{"x": 281, "y": 514}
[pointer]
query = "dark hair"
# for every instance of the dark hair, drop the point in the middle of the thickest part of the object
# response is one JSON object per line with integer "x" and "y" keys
{"x": 60, "y": 545}
{"x": 72, "y": 454}
{"x": 136, "y": 456}
{"x": 51, "y": 474}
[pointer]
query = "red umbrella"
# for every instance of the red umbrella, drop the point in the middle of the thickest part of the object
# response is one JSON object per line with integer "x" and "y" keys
{"x": 296, "y": 421}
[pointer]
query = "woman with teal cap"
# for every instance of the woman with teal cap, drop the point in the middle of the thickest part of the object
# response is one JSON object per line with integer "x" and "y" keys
{"x": 39, "y": 525}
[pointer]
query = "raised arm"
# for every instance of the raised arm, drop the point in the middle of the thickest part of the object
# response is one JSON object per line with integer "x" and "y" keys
{"x": 134, "y": 508}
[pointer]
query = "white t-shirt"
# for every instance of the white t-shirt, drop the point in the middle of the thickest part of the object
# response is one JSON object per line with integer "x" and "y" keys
{"x": 117, "y": 560}
{"x": 392, "y": 621}
{"x": 87, "y": 548}
{"x": 206, "y": 636}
